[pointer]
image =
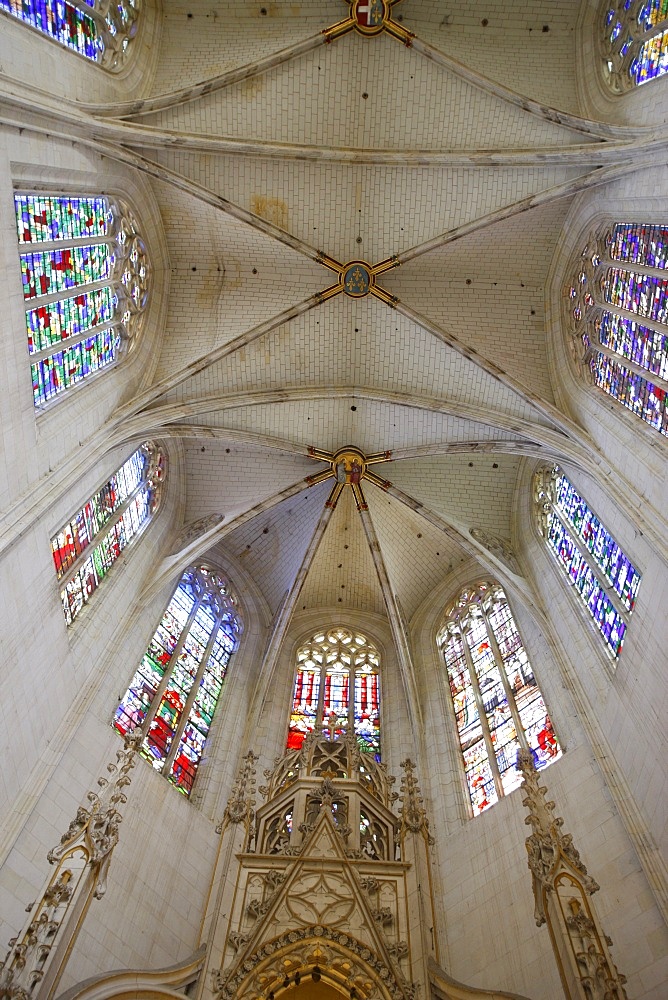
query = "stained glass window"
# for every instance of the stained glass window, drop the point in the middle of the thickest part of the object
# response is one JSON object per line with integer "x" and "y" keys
{"x": 337, "y": 687}
{"x": 497, "y": 702}
{"x": 85, "y": 284}
{"x": 604, "y": 578}
{"x": 635, "y": 41}
{"x": 85, "y": 549}
{"x": 96, "y": 29}
{"x": 618, "y": 317}
{"x": 175, "y": 690}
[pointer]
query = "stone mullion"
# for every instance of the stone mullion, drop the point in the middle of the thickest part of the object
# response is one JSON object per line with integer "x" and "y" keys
{"x": 610, "y": 591}
{"x": 178, "y": 649}
{"x": 481, "y": 712}
{"x": 510, "y": 697}
{"x": 178, "y": 733}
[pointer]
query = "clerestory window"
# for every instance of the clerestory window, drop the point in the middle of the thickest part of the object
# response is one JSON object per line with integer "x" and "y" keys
{"x": 99, "y": 30}
{"x": 88, "y": 545}
{"x": 635, "y": 41}
{"x": 175, "y": 690}
{"x": 602, "y": 575}
{"x": 497, "y": 703}
{"x": 85, "y": 280}
{"x": 337, "y": 687}
{"x": 618, "y": 317}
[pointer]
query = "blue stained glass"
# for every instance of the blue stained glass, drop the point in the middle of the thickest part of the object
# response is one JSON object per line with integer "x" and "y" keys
{"x": 640, "y": 244}
{"x": 62, "y": 21}
{"x": 652, "y": 13}
{"x": 42, "y": 218}
{"x": 50, "y": 272}
{"x": 631, "y": 390}
{"x": 618, "y": 569}
{"x": 608, "y": 621}
{"x": 639, "y": 293}
{"x": 641, "y": 344}
{"x": 652, "y": 60}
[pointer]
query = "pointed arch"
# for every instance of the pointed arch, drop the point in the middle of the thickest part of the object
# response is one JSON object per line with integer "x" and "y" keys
{"x": 498, "y": 706}
{"x": 175, "y": 690}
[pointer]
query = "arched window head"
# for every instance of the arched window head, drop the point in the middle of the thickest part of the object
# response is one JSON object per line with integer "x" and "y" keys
{"x": 337, "y": 688}
{"x": 618, "y": 316}
{"x": 88, "y": 545}
{"x": 85, "y": 279}
{"x": 99, "y": 30}
{"x": 604, "y": 578}
{"x": 497, "y": 703}
{"x": 635, "y": 41}
{"x": 176, "y": 688}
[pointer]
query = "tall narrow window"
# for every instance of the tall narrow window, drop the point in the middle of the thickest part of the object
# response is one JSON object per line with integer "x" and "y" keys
{"x": 99, "y": 30}
{"x": 498, "y": 705}
{"x": 635, "y": 41}
{"x": 604, "y": 578}
{"x": 176, "y": 688}
{"x": 618, "y": 315}
{"x": 337, "y": 687}
{"x": 85, "y": 549}
{"x": 85, "y": 283}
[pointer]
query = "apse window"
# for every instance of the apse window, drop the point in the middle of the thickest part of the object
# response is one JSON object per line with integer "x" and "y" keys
{"x": 174, "y": 692}
{"x": 635, "y": 41}
{"x": 96, "y": 29}
{"x": 497, "y": 703}
{"x": 337, "y": 689}
{"x": 602, "y": 575}
{"x": 618, "y": 317}
{"x": 85, "y": 279}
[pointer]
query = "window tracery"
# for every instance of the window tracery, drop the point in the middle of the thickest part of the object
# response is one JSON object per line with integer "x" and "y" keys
{"x": 337, "y": 687}
{"x": 498, "y": 705}
{"x": 603, "y": 576}
{"x": 86, "y": 279}
{"x": 89, "y": 544}
{"x": 635, "y": 41}
{"x": 174, "y": 692}
{"x": 618, "y": 317}
{"x": 99, "y": 30}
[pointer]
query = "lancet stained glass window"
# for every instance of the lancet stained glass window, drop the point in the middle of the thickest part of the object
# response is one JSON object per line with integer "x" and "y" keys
{"x": 618, "y": 317}
{"x": 96, "y": 29}
{"x": 85, "y": 281}
{"x": 603, "y": 576}
{"x": 635, "y": 41}
{"x": 497, "y": 702}
{"x": 85, "y": 549}
{"x": 176, "y": 688}
{"x": 337, "y": 687}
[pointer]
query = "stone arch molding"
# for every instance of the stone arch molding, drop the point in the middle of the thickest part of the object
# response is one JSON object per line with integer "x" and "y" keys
{"x": 337, "y": 958}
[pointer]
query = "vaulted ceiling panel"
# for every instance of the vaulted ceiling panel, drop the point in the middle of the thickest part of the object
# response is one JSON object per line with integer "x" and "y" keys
{"x": 392, "y": 208}
{"x": 352, "y": 93}
{"x": 343, "y": 574}
{"x": 225, "y": 478}
{"x": 272, "y": 546}
{"x": 417, "y": 555}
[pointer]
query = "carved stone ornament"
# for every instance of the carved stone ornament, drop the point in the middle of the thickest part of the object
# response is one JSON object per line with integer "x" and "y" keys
{"x": 301, "y": 950}
{"x": 547, "y": 845}
{"x": 82, "y": 861}
{"x": 562, "y": 889}
{"x": 412, "y": 811}
{"x": 196, "y": 528}
{"x": 499, "y": 547}
{"x": 240, "y": 806}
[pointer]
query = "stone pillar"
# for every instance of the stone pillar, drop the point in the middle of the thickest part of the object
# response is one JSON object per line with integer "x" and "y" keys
{"x": 562, "y": 892}
{"x": 414, "y": 842}
{"x": 38, "y": 955}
